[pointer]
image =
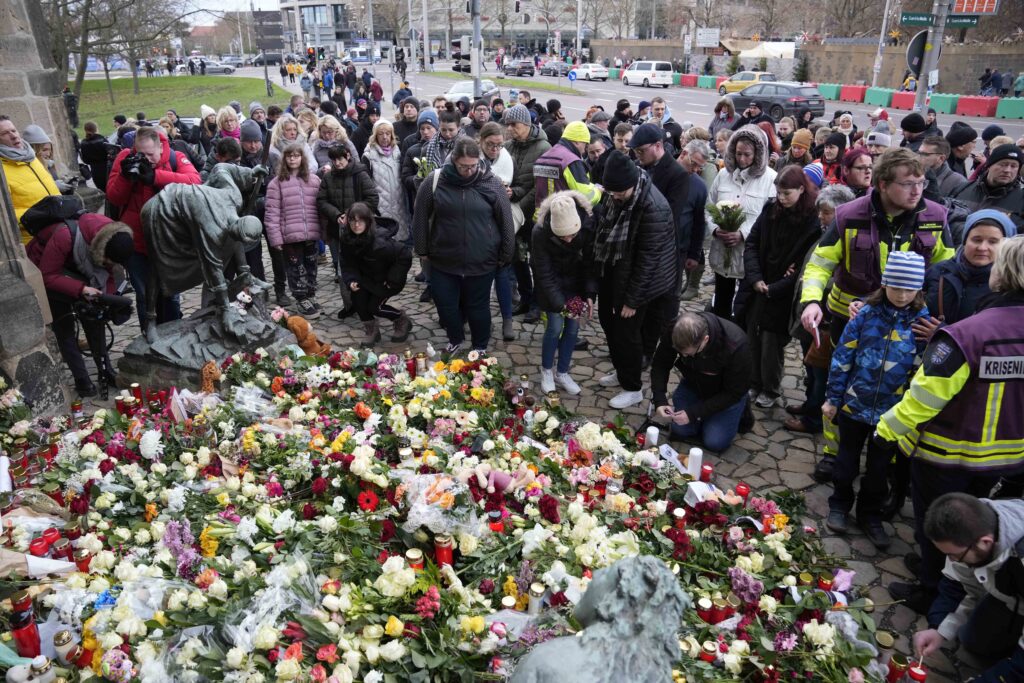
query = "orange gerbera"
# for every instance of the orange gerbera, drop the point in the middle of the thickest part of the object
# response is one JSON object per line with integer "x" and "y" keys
{"x": 294, "y": 651}
{"x": 362, "y": 410}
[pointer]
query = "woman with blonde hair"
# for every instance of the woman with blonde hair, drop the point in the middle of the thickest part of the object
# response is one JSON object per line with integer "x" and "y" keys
{"x": 178, "y": 143}
{"x": 328, "y": 133}
{"x": 307, "y": 122}
{"x": 286, "y": 131}
{"x": 383, "y": 161}
{"x": 228, "y": 124}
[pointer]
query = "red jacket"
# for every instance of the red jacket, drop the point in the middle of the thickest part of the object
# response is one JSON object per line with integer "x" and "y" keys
{"x": 51, "y": 251}
{"x": 130, "y": 195}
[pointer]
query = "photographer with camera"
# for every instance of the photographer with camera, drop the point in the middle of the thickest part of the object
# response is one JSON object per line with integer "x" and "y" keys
{"x": 82, "y": 262}
{"x": 136, "y": 176}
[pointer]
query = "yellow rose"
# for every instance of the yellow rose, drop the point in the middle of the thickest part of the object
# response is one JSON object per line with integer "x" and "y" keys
{"x": 472, "y": 624}
{"x": 394, "y": 627}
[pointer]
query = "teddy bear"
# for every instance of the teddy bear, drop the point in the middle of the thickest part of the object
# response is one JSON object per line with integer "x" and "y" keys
{"x": 491, "y": 479}
{"x": 242, "y": 302}
{"x": 306, "y": 337}
{"x": 209, "y": 374}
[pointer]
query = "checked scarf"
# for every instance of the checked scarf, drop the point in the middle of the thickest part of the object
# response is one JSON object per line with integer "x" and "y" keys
{"x": 613, "y": 236}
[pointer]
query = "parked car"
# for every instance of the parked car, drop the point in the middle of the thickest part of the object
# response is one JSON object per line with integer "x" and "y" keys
{"x": 783, "y": 98}
{"x": 648, "y": 73}
{"x": 594, "y": 72}
{"x": 272, "y": 59}
{"x": 744, "y": 79}
{"x": 488, "y": 90}
{"x": 211, "y": 68}
{"x": 553, "y": 68}
{"x": 520, "y": 67}
{"x": 232, "y": 60}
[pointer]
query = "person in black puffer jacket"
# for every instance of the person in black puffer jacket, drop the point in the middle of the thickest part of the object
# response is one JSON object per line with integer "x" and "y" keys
{"x": 374, "y": 268}
{"x": 635, "y": 254}
{"x": 347, "y": 183}
{"x": 713, "y": 357}
{"x": 562, "y": 244}
{"x": 463, "y": 224}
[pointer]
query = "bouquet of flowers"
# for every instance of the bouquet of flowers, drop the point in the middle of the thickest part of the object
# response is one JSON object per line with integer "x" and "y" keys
{"x": 423, "y": 167}
{"x": 728, "y": 217}
{"x": 575, "y": 308}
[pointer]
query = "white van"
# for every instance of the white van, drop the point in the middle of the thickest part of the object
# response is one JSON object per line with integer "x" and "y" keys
{"x": 648, "y": 73}
{"x": 362, "y": 55}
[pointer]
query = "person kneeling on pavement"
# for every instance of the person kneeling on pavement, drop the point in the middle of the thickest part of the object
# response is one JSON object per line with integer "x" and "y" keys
{"x": 79, "y": 261}
{"x": 983, "y": 541}
{"x": 374, "y": 267}
{"x": 713, "y": 356}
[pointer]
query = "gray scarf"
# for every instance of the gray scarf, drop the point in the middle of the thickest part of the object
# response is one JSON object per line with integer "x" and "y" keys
{"x": 613, "y": 236}
{"x": 24, "y": 154}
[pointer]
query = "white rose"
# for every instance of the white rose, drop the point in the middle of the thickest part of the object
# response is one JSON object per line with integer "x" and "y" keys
{"x": 393, "y": 651}
{"x": 235, "y": 658}
{"x": 158, "y": 468}
{"x": 123, "y": 534}
{"x": 331, "y": 603}
{"x": 197, "y": 601}
{"x": 327, "y": 524}
{"x": 218, "y": 589}
{"x": 372, "y": 654}
{"x": 142, "y": 537}
{"x": 176, "y": 601}
{"x": 132, "y": 627}
{"x": 186, "y": 458}
{"x": 265, "y": 638}
{"x": 768, "y": 604}
{"x": 102, "y": 561}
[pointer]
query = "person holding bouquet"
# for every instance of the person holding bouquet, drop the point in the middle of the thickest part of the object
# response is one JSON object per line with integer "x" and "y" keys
{"x": 561, "y": 244}
{"x": 745, "y": 185}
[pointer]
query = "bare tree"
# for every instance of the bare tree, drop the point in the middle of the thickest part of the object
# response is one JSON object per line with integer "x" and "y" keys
{"x": 594, "y": 15}
{"x": 770, "y": 16}
{"x": 705, "y": 13}
{"x": 391, "y": 15}
{"x": 623, "y": 16}
{"x": 854, "y": 17}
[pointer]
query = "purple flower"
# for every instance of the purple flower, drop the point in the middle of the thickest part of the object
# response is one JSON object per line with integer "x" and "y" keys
{"x": 785, "y": 641}
{"x": 746, "y": 587}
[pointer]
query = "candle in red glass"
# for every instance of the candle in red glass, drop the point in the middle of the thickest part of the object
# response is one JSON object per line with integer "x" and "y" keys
{"x": 414, "y": 556}
{"x": 897, "y": 668}
{"x": 119, "y": 404}
{"x": 51, "y": 535}
{"x": 705, "y": 473}
{"x": 719, "y": 610}
{"x": 410, "y": 366}
{"x": 704, "y": 609}
{"x": 137, "y": 391}
{"x": 918, "y": 673}
{"x": 73, "y": 531}
{"x": 743, "y": 491}
{"x": 82, "y": 560}
{"x": 443, "y": 548}
{"x": 39, "y": 547}
{"x": 162, "y": 397}
{"x": 23, "y": 625}
{"x": 61, "y": 549}
{"x": 708, "y": 651}
{"x": 679, "y": 515}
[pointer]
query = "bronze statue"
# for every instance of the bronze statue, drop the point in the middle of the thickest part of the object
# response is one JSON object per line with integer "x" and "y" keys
{"x": 631, "y": 614}
{"x": 193, "y": 231}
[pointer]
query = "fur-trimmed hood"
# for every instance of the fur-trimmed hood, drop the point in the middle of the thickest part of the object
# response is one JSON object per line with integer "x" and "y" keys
{"x": 759, "y": 140}
{"x": 582, "y": 205}
{"x": 98, "y": 246}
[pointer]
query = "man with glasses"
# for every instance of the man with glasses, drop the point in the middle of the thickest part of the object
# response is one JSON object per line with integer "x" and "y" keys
{"x": 980, "y": 602}
{"x": 942, "y": 180}
{"x": 479, "y": 115}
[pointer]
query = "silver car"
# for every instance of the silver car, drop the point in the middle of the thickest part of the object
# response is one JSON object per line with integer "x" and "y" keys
{"x": 488, "y": 90}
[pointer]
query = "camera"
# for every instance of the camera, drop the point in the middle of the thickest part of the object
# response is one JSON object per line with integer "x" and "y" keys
{"x": 134, "y": 166}
{"x": 113, "y": 307}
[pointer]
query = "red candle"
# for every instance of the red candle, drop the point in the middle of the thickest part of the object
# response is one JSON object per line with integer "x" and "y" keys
{"x": 119, "y": 404}
{"x": 443, "y": 548}
{"x": 137, "y": 391}
{"x": 414, "y": 556}
{"x": 918, "y": 673}
{"x": 708, "y": 651}
{"x": 497, "y": 527}
{"x": 82, "y": 560}
{"x": 719, "y": 610}
{"x": 51, "y": 535}
{"x": 679, "y": 515}
{"x": 410, "y": 367}
{"x": 743, "y": 491}
{"x": 39, "y": 547}
{"x": 705, "y": 473}
{"x": 704, "y": 609}
{"x": 61, "y": 549}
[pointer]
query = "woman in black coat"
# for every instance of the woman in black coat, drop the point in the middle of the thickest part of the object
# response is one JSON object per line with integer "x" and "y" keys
{"x": 374, "y": 267}
{"x": 779, "y": 240}
{"x": 561, "y": 245}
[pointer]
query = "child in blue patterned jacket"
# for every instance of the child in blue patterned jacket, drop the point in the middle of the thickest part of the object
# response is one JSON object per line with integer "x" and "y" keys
{"x": 871, "y": 367}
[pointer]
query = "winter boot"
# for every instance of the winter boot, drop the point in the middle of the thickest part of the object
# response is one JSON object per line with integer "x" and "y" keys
{"x": 372, "y": 334}
{"x": 401, "y": 329}
{"x": 692, "y": 290}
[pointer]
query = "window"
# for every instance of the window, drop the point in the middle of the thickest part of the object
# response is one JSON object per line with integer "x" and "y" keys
{"x": 754, "y": 90}
{"x": 746, "y": 77}
{"x": 643, "y": 66}
{"x": 808, "y": 92}
{"x": 314, "y": 15}
{"x": 767, "y": 77}
{"x": 662, "y": 66}
{"x": 769, "y": 90}
{"x": 340, "y": 15}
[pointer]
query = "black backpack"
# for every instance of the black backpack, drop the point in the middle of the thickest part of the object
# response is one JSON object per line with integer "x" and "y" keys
{"x": 50, "y": 210}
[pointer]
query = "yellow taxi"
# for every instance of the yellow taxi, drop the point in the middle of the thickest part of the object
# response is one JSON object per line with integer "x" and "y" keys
{"x": 743, "y": 79}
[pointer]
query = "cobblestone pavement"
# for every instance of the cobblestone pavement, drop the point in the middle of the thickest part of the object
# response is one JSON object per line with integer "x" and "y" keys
{"x": 767, "y": 458}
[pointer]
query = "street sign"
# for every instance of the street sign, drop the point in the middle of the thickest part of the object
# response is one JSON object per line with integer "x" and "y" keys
{"x": 933, "y": 78}
{"x": 501, "y": 52}
{"x": 917, "y": 19}
{"x": 572, "y": 75}
{"x": 961, "y": 20}
{"x": 558, "y": 39}
{"x": 687, "y": 44}
{"x": 915, "y": 53}
{"x": 975, "y": 7}
{"x": 708, "y": 37}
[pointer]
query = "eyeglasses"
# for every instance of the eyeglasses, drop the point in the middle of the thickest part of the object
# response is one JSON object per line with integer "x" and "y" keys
{"x": 862, "y": 169}
{"x": 293, "y": 155}
{"x": 928, "y": 154}
{"x": 911, "y": 184}
{"x": 964, "y": 553}
{"x": 467, "y": 168}
{"x": 491, "y": 145}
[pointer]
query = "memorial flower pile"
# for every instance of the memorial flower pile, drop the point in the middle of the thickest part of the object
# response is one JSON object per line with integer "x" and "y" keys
{"x": 388, "y": 519}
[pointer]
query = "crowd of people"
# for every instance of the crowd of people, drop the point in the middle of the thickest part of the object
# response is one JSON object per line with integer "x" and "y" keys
{"x": 888, "y": 250}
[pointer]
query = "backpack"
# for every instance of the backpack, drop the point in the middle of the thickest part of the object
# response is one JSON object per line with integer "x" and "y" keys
{"x": 50, "y": 210}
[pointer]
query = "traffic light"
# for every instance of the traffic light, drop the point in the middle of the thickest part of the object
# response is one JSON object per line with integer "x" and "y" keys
{"x": 310, "y": 55}
{"x": 517, "y": 6}
{"x": 321, "y": 54}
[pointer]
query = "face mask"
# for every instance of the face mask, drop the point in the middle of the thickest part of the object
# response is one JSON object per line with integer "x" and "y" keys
{"x": 211, "y": 126}
{"x": 721, "y": 114}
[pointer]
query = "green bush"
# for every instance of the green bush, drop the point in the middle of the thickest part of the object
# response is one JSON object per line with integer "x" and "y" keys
{"x": 762, "y": 64}
{"x": 734, "y": 65}
{"x": 802, "y": 71}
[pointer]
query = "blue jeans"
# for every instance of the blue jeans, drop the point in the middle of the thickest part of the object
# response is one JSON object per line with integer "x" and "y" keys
{"x": 458, "y": 295}
{"x": 167, "y": 307}
{"x": 560, "y": 334}
{"x": 718, "y": 430}
{"x": 503, "y": 289}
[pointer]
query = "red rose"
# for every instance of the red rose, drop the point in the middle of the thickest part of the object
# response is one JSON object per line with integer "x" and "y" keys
{"x": 107, "y": 465}
{"x": 319, "y": 486}
{"x": 309, "y": 511}
{"x": 549, "y": 509}
{"x": 80, "y": 505}
{"x": 387, "y": 531}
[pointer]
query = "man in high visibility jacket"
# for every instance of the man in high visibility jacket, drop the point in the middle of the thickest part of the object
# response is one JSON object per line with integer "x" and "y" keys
{"x": 563, "y": 167}
{"x": 962, "y": 420}
{"x": 854, "y": 249}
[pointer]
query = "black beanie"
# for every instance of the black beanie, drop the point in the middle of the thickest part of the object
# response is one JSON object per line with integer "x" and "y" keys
{"x": 837, "y": 139}
{"x": 620, "y": 173}
{"x": 960, "y": 133}
{"x": 553, "y": 106}
{"x": 119, "y": 248}
{"x": 913, "y": 123}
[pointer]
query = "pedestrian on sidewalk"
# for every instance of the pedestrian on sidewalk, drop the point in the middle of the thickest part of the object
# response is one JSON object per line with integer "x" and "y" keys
{"x": 293, "y": 225}
{"x": 873, "y": 361}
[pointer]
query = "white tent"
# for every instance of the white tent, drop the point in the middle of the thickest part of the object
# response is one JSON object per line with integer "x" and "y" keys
{"x": 769, "y": 51}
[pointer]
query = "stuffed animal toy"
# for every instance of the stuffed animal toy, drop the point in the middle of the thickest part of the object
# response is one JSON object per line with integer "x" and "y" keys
{"x": 306, "y": 337}
{"x": 209, "y": 374}
{"x": 242, "y": 302}
{"x": 491, "y": 479}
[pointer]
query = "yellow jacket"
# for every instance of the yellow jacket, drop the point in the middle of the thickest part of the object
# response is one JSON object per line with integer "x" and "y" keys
{"x": 28, "y": 183}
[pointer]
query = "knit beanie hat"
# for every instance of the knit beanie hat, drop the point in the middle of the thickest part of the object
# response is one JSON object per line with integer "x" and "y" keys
{"x": 236, "y": 105}
{"x": 576, "y": 131}
{"x": 992, "y": 130}
{"x": 960, "y": 133}
{"x": 879, "y": 136}
{"x": 1003, "y": 152}
{"x": 409, "y": 100}
{"x": 815, "y": 172}
{"x": 644, "y": 104}
{"x": 990, "y": 217}
{"x": 913, "y": 123}
{"x": 427, "y": 116}
{"x": 250, "y": 131}
{"x": 565, "y": 220}
{"x": 205, "y": 111}
{"x": 622, "y": 105}
{"x": 837, "y": 139}
{"x": 255, "y": 107}
{"x": 518, "y": 114}
{"x": 620, "y": 173}
{"x": 34, "y": 135}
{"x": 904, "y": 269}
{"x": 553, "y": 106}
{"x": 120, "y": 247}
{"x": 802, "y": 138}
{"x": 881, "y": 114}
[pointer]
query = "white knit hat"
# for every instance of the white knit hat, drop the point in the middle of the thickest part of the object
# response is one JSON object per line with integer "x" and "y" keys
{"x": 565, "y": 220}
{"x": 205, "y": 111}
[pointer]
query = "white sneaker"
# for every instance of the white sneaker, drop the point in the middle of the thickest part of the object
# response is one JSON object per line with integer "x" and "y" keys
{"x": 765, "y": 401}
{"x": 547, "y": 380}
{"x": 566, "y": 382}
{"x": 609, "y": 380}
{"x": 626, "y": 399}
